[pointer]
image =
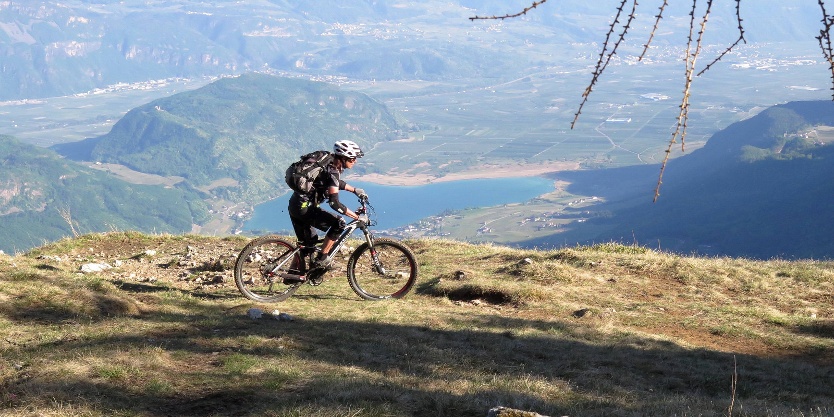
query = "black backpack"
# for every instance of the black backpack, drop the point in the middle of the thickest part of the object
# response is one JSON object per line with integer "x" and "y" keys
{"x": 302, "y": 173}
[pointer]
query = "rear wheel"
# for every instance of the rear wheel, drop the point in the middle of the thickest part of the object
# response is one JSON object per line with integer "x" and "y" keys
{"x": 391, "y": 277}
{"x": 259, "y": 266}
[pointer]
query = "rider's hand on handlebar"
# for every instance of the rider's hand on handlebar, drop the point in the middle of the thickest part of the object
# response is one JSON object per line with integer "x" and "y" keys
{"x": 360, "y": 193}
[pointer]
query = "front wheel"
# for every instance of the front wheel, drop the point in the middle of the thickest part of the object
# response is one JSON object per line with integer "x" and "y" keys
{"x": 388, "y": 270}
{"x": 259, "y": 266}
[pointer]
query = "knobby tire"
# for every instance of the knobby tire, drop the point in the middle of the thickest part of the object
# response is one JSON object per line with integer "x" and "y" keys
{"x": 255, "y": 258}
{"x": 400, "y": 270}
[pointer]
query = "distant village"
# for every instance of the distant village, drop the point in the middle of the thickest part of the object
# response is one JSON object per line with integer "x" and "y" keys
{"x": 433, "y": 226}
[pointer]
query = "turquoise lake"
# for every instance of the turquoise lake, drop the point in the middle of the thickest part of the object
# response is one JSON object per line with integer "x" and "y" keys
{"x": 398, "y": 206}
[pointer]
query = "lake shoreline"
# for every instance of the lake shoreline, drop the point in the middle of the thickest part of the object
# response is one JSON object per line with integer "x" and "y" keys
{"x": 487, "y": 171}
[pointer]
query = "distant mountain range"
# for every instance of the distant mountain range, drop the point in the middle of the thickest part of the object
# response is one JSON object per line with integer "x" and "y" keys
{"x": 231, "y": 139}
{"x": 51, "y": 48}
{"x": 761, "y": 188}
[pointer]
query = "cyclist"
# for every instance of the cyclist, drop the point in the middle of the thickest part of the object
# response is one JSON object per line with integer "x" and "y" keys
{"x": 304, "y": 210}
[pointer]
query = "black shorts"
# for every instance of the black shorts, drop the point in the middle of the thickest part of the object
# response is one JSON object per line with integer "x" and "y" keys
{"x": 306, "y": 217}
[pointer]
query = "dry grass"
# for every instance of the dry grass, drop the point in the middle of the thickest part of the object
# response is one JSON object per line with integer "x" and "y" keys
{"x": 607, "y": 330}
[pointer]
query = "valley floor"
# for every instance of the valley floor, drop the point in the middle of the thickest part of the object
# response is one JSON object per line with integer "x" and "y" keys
{"x": 419, "y": 175}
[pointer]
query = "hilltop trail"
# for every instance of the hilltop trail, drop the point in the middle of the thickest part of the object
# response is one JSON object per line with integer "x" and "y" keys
{"x": 664, "y": 302}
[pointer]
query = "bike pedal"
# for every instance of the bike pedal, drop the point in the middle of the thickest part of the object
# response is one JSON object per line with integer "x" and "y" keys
{"x": 290, "y": 279}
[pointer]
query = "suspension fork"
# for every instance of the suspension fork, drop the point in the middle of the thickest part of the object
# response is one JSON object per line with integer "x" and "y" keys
{"x": 369, "y": 238}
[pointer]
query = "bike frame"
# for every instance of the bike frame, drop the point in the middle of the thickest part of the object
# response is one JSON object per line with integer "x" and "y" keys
{"x": 340, "y": 241}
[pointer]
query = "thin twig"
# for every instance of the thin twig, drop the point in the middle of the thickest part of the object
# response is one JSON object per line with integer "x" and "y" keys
{"x": 733, "y": 386}
{"x": 510, "y": 16}
{"x": 825, "y": 41}
{"x": 65, "y": 214}
{"x": 605, "y": 58}
{"x": 693, "y": 50}
{"x": 683, "y": 116}
{"x": 654, "y": 29}
{"x": 730, "y": 48}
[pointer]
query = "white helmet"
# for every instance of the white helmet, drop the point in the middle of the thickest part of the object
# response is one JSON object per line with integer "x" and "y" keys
{"x": 348, "y": 149}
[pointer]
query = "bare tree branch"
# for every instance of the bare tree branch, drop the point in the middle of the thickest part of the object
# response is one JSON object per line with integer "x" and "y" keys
{"x": 606, "y": 57}
{"x": 730, "y": 48}
{"x": 825, "y": 41}
{"x": 509, "y": 16}
{"x": 654, "y": 29}
{"x": 693, "y": 51}
{"x": 683, "y": 116}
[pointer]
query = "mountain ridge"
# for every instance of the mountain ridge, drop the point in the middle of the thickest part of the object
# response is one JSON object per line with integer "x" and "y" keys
{"x": 239, "y": 129}
{"x": 44, "y": 197}
{"x": 756, "y": 189}
{"x": 60, "y": 48}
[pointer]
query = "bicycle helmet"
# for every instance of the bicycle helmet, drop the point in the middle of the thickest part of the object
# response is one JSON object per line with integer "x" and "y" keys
{"x": 348, "y": 149}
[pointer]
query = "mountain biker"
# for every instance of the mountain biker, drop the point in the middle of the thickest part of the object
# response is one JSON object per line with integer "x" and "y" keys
{"x": 304, "y": 210}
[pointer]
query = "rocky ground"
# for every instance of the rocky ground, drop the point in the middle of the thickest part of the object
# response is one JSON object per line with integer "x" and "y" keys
{"x": 188, "y": 262}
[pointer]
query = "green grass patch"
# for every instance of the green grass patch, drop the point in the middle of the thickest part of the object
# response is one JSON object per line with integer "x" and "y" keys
{"x": 586, "y": 331}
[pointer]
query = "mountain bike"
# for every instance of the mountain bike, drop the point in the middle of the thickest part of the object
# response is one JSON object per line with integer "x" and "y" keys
{"x": 271, "y": 269}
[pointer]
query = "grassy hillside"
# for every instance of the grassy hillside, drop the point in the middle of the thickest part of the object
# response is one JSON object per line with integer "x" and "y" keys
{"x": 44, "y": 197}
{"x": 593, "y": 331}
{"x": 244, "y": 130}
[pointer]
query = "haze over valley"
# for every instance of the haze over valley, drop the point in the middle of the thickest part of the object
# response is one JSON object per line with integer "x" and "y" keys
{"x": 457, "y": 98}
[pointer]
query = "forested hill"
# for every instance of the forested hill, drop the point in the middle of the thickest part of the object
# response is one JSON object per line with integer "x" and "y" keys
{"x": 239, "y": 132}
{"x": 44, "y": 197}
{"x": 760, "y": 188}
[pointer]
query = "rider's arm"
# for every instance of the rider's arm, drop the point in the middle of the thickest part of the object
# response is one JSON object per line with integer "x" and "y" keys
{"x": 347, "y": 187}
{"x": 335, "y": 204}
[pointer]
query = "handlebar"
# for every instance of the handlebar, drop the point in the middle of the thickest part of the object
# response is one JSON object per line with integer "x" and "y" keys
{"x": 365, "y": 208}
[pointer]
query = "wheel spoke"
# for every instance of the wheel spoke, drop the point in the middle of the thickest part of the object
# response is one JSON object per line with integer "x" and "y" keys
{"x": 389, "y": 274}
{"x": 259, "y": 266}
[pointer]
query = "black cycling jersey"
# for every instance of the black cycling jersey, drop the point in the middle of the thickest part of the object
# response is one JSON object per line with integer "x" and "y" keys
{"x": 305, "y": 212}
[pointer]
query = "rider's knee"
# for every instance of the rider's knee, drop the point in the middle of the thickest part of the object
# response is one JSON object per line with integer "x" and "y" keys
{"x": 337, "y": 228}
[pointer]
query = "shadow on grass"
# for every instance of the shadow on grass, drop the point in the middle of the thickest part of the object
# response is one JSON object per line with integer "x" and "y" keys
{"x": 821, "y": 328}
{"x": 403, "y": 369}
{"x": 210, "y": 295}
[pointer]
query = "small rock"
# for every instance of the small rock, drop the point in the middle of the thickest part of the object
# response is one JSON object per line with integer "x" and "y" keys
{"x": 504, "y": 411}
{"x": 150, "y": 252}
{"x": 94, "y": 267}
{"x": 255, "y": 313}
{"x": 285, "y": 317}
{"x": 526, "y": 261}
{"x": 580, "y": 313}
